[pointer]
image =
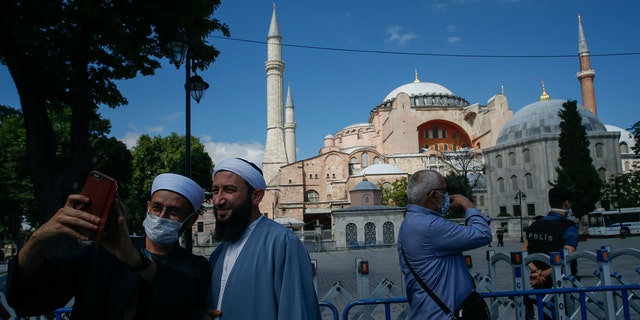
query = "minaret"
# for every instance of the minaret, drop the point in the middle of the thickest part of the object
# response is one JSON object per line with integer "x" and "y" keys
{"x": 275, "y": 155}
{"x": 586, "y": 75}
{"x": 290, "y": 128}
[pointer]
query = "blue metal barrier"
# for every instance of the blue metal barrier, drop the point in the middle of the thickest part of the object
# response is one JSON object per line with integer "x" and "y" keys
{"x": 331, "y": 307}
{"x": 539, "y": 293}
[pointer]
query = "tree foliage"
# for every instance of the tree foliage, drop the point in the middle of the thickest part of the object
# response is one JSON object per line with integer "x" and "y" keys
{"x": 396, "y": 195}
{"x": 112, "y": 157}
{"x": 575, "y": 169}
{"x": 156, "y": 155}
{"x": 68, "y": 54}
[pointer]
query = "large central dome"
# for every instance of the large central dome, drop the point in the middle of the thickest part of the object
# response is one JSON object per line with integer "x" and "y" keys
{"x": 419, "y": 88}
{"x": 541, "y": 117}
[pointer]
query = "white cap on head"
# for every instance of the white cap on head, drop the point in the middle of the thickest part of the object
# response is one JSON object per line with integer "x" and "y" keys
{"x": 244, "y": 169}
{"x": 180, "y": 185}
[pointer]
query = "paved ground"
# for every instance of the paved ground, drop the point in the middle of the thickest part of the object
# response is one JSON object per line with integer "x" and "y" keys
{"x": 384, "y": 264}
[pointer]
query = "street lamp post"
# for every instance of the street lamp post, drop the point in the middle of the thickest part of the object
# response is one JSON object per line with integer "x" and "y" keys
{"x": 194, "y": 88}
{"x": 519, "y": 196}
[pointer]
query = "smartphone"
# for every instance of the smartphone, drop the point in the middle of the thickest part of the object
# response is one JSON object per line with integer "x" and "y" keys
{"x": 101, "y": 191}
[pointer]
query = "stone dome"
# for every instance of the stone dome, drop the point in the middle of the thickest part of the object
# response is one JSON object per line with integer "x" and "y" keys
{"x": 419, "y": 88}
{"x": 365, "y": 185}
{"x": 541, "y": 117}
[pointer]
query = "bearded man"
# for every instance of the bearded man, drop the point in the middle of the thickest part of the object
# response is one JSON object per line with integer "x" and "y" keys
{"x": 261, "y": 270}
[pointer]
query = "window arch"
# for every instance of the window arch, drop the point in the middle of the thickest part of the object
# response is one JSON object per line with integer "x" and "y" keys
{"x": 526, "y": 155}
{"x": 369, "y": 233}
{"x": 599, "y": 150}
{"x": 624, "y": 148}
{"x": 514, "y": 183}
{"x": 528, "y": 180}
{"x": 501, "y": 184}
{"x": 365, "y": 160}
{"x": 351, "y": 232}
{"x": 512, "y": 159}
{"x": 602, "y": 173}
{"x": 499, "y": 161}
{"x": 388, "y": 233}
{"x": 312, "y": 196}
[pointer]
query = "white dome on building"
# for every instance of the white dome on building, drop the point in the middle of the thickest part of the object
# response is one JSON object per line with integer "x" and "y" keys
{"x": 419, "y": 88}
{"x": 625, "y": 136}
{"x": 381, "y": 168}
{"x": 541, "y": 117}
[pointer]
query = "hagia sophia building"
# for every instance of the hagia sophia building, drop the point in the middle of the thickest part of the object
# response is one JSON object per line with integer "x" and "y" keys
{"x": 424, "y": 125}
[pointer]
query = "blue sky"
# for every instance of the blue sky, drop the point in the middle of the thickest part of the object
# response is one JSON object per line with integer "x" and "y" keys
{"x": 335, "y": 88}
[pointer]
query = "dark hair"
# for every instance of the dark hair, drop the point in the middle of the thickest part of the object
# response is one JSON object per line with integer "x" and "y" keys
{"x": 558, "y": 195}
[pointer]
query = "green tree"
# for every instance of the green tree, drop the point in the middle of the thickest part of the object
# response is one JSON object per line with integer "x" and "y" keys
{"x": 623, "y": 190}
{"x": 156, "y": 155}
{"x": 112, "y": 157}
{"x": 575, "y": 169}
{"x": 396, "y": 195}
{"x": 70, "y": 53}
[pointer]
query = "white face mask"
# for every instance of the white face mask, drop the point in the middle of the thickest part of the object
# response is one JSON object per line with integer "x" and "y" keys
{"x": 162, "y": 231}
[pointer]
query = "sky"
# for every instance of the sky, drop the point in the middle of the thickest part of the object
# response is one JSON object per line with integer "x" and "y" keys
{"x": 342, "y": 57}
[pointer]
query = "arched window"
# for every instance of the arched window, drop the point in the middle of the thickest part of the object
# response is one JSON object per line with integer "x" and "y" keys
{"x": 353, "y": 166}
{"x": 514, "y": 183}
{"x": 599, "y": 150}
{"x": 369, "y": 233}
{"x": 602, "y": 173}
{"x": 481, "y": 202}
{"x": 365, "y": 160}
{"x": 526, "y": 155}
{"x": 366, "y": 199}
{"x": 624, "y": 148}
{"x": 377, "y": 160}
{"x": 512, "y": 159}
{"x": 501, "y": 184}
{"x": 312, "y": 196}
{"x": 351, "y": 233}
{"x": 499, "y": 161}
{"x": 388, "y": 233}
{"x": 528, "y": 180}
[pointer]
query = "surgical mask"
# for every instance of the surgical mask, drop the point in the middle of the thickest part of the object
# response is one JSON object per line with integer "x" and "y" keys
{"x": 162, "y": 231}
{"x": 445, "y": 206}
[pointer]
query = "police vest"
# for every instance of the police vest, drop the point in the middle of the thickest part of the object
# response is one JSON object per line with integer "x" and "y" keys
{"x": 545, "y": 236}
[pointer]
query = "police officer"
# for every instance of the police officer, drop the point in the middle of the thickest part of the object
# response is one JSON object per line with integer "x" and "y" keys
{"x": 551, "y": 233}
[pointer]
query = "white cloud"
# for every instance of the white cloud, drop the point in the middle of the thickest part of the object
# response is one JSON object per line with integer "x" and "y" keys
{"x": 218, "y": 151}
{"x": 130, "y": 139}
{"x": 453, "y": 39}
{"x": 395, "y": 35}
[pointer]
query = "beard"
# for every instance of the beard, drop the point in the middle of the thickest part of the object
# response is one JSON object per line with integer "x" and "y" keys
{"x": 238, "y": 221}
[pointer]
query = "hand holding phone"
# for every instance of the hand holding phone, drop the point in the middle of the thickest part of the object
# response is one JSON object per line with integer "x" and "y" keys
{"x": 101, "y": 191}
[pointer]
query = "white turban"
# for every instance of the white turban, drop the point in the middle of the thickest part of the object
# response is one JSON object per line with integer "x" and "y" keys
{"x": 180, "y": 185}
{"x": 244, "y": 169}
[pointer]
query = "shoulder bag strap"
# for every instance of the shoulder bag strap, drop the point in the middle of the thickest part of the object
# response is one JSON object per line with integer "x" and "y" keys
{"x": 425, "y": 287}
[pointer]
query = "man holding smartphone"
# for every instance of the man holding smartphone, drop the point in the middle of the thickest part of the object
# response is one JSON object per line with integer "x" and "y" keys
{"x": 125, "y": 277}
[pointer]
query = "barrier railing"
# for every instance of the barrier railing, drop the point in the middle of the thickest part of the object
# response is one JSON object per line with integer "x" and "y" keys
{"x": 539, "y": 293}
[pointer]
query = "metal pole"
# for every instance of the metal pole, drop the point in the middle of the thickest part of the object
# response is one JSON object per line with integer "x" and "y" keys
{"x": 188, "y": 241}
{"x": 521, "y": 223}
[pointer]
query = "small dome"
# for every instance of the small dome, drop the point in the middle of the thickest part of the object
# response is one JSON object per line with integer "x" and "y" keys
{"x": 381, "y": 168}
{"x": 541, "y": 117}
{"x": 365, "y": 185}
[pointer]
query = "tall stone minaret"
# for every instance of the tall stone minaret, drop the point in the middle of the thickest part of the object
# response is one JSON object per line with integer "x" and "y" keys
{"x": 290, "y": 128}
{"x": 275, "y": 155}
{"x": 586, "y": 75}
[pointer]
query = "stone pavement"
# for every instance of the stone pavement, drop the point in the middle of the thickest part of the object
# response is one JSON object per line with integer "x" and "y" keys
{"x": 384, "y": 264}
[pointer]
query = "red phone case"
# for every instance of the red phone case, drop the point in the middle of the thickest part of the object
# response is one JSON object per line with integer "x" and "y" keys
{"x": 101, "y": 191}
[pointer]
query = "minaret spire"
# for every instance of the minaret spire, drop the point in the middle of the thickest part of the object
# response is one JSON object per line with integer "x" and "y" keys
{"x": 275, "y": 155}
{"x": 290, "y": 128}
{"x": 586, "y": 74}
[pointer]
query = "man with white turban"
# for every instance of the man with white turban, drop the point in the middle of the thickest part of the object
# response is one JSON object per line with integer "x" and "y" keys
{"x": 261, "y": 270}
{"x": 124, "y": 277}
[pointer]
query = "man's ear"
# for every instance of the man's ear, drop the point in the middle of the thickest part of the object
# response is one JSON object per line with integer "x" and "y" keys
{"x": 256, "y": 196}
